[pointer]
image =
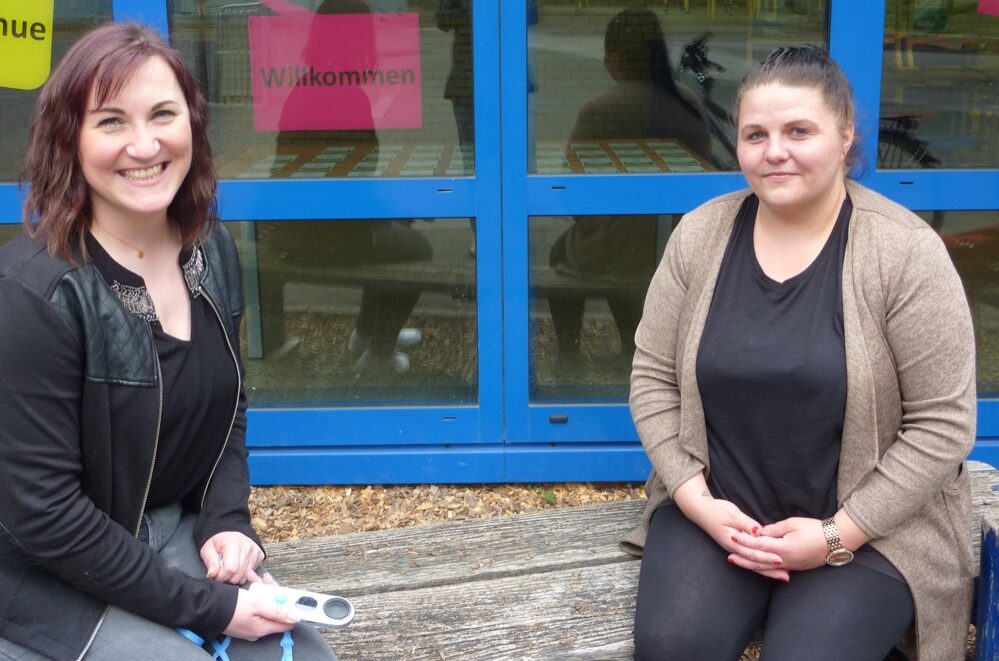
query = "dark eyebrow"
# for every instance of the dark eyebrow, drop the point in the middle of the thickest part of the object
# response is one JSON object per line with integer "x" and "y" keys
{"x": 118, "y": 111}
{"x": 792, "y": 122}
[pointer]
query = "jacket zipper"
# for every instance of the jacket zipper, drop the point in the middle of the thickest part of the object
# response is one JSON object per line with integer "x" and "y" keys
{"x": 239, "y": 388}
{"x": 145, "y": 495}
{"x": 156, "y": 442}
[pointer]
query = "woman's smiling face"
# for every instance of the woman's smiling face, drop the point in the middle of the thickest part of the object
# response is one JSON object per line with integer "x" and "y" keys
{"x": 135, "y": 150}
{"x": 792, "y": 147}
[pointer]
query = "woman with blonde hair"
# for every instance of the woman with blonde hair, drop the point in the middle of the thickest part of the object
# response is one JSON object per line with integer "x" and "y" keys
{"x": 804, "y": 386}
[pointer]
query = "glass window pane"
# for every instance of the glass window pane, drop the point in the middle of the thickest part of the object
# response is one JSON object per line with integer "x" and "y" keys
{"x": 614, "y": 89}
{"x": 972, "y": 238}
{"x": 939, "y": 102}
{"x": 351, "y": 89}
{"x": 359, "y": 312}
{"x": 71, "y": 19}
{"x": 588, "y": 278}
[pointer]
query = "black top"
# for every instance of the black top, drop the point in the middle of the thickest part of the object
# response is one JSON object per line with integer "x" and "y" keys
{"x": 771, "y": 371}
{"x": 199, "y": 379}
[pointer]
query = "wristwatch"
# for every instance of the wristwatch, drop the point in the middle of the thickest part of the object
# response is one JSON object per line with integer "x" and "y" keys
{"x": 838, "y": 556}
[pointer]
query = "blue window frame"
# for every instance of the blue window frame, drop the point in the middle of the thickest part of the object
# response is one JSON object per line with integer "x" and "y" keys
{"x": 504, "y": 436}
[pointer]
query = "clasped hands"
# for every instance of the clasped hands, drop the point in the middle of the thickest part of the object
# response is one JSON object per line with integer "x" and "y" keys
{"x": 773, "y": 550}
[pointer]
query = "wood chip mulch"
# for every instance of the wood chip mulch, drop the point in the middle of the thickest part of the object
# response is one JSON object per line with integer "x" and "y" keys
{"x": 288, "y": 513}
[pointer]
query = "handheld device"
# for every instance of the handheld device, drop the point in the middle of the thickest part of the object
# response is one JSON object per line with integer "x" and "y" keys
{"x": 321, "y": 610}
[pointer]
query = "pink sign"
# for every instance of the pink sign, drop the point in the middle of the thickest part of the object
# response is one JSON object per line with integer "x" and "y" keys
{"x": 990, "y": 7}
{"x": 316, "y": 72}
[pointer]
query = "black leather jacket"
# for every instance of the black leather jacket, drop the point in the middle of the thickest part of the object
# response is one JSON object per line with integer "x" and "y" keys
{"x": 80, "y": 400}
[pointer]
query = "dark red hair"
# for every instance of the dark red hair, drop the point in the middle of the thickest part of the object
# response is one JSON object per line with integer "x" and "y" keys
{"x": 103, "y": 60}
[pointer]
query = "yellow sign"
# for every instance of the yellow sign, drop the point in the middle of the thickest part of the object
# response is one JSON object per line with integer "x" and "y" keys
{"x": 25, "y": 43}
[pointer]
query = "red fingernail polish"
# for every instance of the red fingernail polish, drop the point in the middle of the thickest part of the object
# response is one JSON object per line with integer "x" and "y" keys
{"x": 734, "y": 539}
{"x": 778, "y": 562}
{"x": 731, "y": 561}
{"x": 755, "y": 530}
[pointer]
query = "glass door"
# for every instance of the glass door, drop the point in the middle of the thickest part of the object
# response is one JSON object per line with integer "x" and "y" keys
{"x": 938, "y": 151}
{"x": 357, "y": 148}
{"x": 616, "y": 121}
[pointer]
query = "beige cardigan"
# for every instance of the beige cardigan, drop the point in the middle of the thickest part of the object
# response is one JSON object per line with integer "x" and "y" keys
{"x": 910, "y": 406}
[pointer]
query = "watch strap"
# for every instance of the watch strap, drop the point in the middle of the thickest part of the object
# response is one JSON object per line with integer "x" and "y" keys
{"x": 837, "y": 555}
{"x": 831, "y": 532}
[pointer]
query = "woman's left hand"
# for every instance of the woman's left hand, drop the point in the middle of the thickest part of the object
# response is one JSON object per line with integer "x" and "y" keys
{"x": 798, "y": 541}
{"x": 232, "y": 557}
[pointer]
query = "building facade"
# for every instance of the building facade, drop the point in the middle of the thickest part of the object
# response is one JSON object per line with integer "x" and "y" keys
{"x": 448, "y": 210}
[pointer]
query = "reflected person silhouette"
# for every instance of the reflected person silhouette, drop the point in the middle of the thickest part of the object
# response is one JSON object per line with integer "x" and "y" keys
{"x": 455, "y": 16}
{"x": 644, "y": 102}
{"x": 379, "y": 336}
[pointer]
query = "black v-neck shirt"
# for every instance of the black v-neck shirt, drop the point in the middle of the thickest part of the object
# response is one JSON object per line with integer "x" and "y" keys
{"x": 771, "y": 371}
{"x": 200, "y": 390}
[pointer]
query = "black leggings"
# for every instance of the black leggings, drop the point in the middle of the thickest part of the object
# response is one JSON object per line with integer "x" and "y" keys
{"x": 694, "y": 606}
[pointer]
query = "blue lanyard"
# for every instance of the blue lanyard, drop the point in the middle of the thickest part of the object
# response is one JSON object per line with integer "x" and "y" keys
{"x": 220, "y": 646}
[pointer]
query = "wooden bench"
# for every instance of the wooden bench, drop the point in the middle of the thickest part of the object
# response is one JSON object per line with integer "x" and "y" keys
{"x": 544, "y": 585}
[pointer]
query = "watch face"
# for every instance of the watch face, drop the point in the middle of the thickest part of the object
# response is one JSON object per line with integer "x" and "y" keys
{"x": 839, "y": 557}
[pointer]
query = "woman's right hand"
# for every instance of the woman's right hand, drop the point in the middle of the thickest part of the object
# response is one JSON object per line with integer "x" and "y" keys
{"x": 257, "y": 616}
{"x": 721, "y": 520}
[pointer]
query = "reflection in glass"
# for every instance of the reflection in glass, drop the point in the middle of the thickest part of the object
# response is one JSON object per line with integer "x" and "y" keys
{"x": 939, "y": 94}
{"x": 396, "y": 90}
{"x": 972, "y": 239}
{"x": 593, "y": 272}
{"x": 359, "y": 312}
{"x": 645, "y": 101}
{"x": 8, "y": 232}
{"x": 581, "y": 333}
{"x": 455, "y": 16}
{"x": 648, "y": 90}
{"x": 71, "y": 19}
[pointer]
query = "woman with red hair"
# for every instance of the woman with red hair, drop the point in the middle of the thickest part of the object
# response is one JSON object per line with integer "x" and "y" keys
{"x": 123, "y": 474}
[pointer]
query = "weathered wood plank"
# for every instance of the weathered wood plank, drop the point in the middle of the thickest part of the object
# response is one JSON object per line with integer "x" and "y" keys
{"x": 579, "y": 613}
{"x": 439, "y": 554}
{"x": 434, "y": 555}
{"x": 544, "y": 585}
